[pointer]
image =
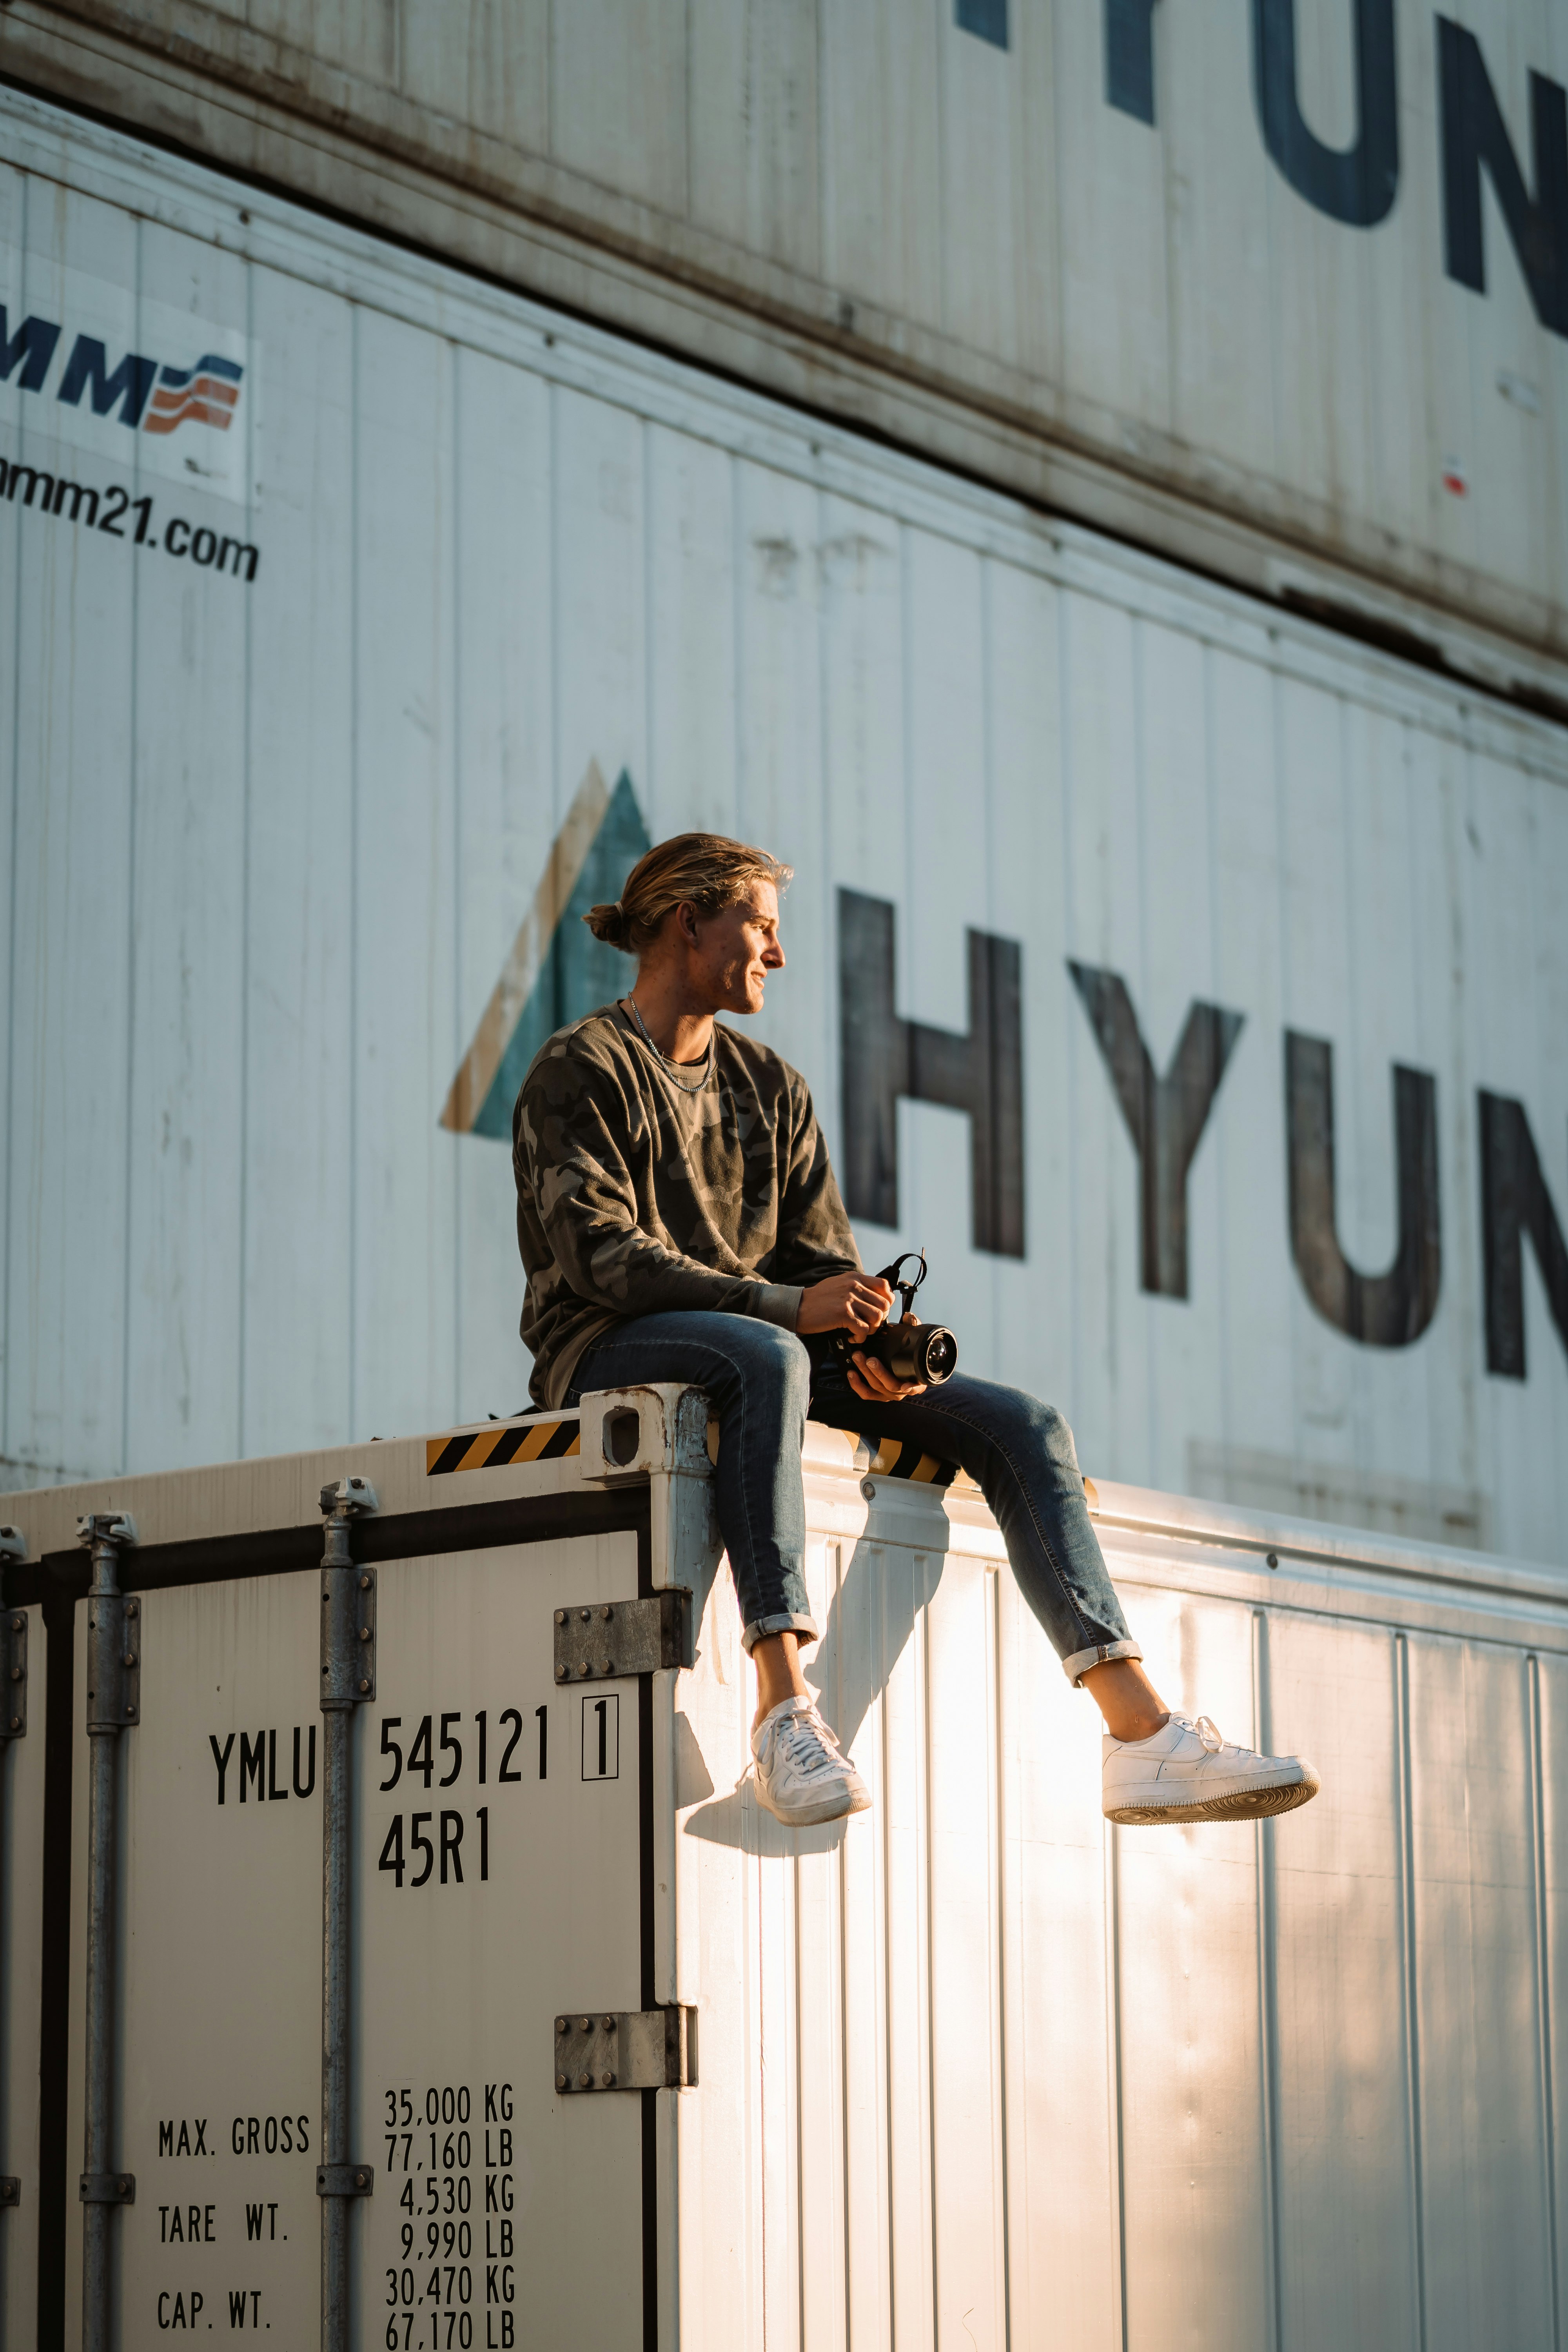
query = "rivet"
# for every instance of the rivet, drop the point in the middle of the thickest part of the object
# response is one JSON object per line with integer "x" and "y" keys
{"x": 560, "y": 1616}
{"x": 609, "y": 2024}
{"x": 1273, "y": 1559}
{"x": 123, "y": 2187}
{"x": 364, "y": 1633}
{"x": 606, "y": 2079}
{"x": 16, "y": 1672}
{"x": 585, "y": 2081}
{"x": 587, "y": 1613}
{"x": 359, "y": 2181}
{"x": 128, "y": 1660}
{"x": 560, "y": 1673}
{"x": 133, "y": 1609}
{"x": 365, "y": 1686}
{"x": 15, "y": 1624}
{"x": 364, "y": 1584}
{"x": 560, "y": 2025}
{"x": 586, "y": 2025}
{"x": 561, "y": 2082}
{"x": 130, "y": 1710}
{"x": 867, "y": 1487}
{"x": 16, "y": 1723}
{"x": 606, "y": 1611}
{"x": 587, "y": 1669}
{"x": 609, "y": 1666}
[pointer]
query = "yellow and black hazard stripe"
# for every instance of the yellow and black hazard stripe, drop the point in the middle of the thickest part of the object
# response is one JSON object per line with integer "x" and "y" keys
{"x": 899, "y": 1457}
{"x": 502, "y": 1441}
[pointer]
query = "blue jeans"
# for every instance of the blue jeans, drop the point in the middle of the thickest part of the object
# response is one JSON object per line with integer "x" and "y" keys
{"x": 762, "y": 1382}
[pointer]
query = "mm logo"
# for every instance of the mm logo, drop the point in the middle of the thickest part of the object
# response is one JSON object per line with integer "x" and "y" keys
{"x": 143, "y": 392}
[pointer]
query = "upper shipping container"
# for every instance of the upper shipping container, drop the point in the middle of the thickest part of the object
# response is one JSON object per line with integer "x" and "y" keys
{"x": 360, "y": 622}
{"x": 1281, "y": 290}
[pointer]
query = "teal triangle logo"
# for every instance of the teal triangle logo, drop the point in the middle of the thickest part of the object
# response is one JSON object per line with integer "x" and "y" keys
{"x": 557, "y": 970}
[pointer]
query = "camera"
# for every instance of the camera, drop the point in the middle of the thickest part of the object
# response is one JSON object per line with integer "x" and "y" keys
{"x": 908, "y": 1349}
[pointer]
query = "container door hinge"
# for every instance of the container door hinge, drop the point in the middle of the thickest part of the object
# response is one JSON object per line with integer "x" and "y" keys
{"x": 108, "y": 2188}
{"x": 627, "y": 2049}
{"x": 114, "y": 1639}
{"x": 614, "y": 1639}
{"x": 346, "y": 2180}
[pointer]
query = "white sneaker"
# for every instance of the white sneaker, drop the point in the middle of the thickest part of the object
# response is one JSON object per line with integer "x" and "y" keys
{"x": 1186, "y": 1772}
{"x": 802, "y": 1775}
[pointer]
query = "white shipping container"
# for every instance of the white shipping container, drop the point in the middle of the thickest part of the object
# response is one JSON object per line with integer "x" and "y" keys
{"x": 329, "y": 699}
{"x": 974, "y": 2068}
{"x": 1277, "y": 287}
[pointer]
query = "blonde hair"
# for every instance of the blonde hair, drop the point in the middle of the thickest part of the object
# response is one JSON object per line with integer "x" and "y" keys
{"x": 705, "y": 870}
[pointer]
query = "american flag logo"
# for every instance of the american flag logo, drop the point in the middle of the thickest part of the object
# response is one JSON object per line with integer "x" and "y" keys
{"x": 206, "y": 394}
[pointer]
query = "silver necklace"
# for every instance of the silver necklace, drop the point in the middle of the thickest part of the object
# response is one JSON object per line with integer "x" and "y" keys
{"x": 670, "y": 1067}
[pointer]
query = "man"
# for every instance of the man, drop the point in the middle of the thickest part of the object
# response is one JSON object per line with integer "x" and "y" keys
{"x": 678, "y": 1221}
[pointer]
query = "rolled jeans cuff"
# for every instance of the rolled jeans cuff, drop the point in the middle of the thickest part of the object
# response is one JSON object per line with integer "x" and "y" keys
{"x": 791, "y": 1621}
{"x": 1079, "y": 1664}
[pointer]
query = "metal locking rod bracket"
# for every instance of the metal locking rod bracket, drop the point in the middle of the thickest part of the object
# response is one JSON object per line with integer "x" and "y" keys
{"x": 344, "y": 2179}
{"x": 108, "y": 2188}
{"x": 627, "y": 2049}
{"x": 611, "y": 1640}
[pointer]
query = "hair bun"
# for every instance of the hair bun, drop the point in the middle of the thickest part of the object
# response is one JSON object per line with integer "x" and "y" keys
{"x": 609, "y": 924}
{"x": 704, "y": 868}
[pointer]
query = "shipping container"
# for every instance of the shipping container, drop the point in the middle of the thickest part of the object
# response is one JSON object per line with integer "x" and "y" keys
{"x": 1226, "y": 957}
{"x": 973, "y": 2068}
{"x": 1277, "y": 291}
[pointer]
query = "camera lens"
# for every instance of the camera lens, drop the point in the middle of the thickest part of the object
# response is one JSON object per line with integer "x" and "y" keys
{"x": 941, "y": 1356}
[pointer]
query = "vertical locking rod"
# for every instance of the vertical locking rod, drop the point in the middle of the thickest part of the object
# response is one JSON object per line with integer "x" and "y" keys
{"x": 113, "y": 1642}
{"x": 12, "y": 1723}
{"x": 348, "y": 1679}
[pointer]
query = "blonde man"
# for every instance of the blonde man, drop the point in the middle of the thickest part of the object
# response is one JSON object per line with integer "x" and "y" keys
{"x": 678, "y": 1220}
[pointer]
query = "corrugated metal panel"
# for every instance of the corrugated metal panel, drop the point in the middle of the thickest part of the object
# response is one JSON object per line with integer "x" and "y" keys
{"x": 273, "y": 840}
{"x": 1099, "y": 238}
{"x": 1010, "y": 2074}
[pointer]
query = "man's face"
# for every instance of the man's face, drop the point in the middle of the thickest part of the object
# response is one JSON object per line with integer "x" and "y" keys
{"x": 735, "y": 949}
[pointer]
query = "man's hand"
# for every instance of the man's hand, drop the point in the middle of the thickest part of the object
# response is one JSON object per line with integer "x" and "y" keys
{"x": 875, "y": 1382}
{"x": 856, "y": 1303}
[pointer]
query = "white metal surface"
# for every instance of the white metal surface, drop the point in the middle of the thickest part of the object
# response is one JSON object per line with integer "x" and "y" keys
{"x": 973, "y": 2068}
{"x": 981, "y": 249}
{"x": 1009, "y": 2077}
{"x": 272, "y": 843}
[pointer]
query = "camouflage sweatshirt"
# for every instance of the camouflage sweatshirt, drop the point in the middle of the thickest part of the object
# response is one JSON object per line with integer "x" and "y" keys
{"x": 634, "y": 1196}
